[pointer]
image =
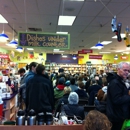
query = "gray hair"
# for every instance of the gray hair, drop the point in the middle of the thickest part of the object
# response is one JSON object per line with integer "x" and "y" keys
{"x": 120, "y": 65}
{"x": 73, "y": 98}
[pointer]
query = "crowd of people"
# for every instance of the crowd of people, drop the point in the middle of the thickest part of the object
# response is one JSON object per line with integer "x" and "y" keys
{"x": 109, "y": 92}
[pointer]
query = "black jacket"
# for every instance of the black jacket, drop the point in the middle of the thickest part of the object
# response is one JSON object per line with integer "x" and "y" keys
{"x": 74, "y": 109}
{"x": 118, "y": 100}
{"x": 40, "y": 94}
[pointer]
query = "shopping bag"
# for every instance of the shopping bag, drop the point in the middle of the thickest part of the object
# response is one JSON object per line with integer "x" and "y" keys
{"x": 126, "y": 125}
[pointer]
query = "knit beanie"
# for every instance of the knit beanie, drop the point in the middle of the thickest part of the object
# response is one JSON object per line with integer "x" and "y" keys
{"x": 73, "y": 98}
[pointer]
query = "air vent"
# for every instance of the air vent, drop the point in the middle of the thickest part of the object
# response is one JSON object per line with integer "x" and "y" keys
{"x": 81, "y": 46}
{"x": 112, "y": 49}
{"x": 35, "y": 29}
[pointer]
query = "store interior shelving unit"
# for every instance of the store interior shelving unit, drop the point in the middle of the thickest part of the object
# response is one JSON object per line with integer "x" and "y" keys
{"x": 71, "y": 68}
{"x": 9, "y": 109}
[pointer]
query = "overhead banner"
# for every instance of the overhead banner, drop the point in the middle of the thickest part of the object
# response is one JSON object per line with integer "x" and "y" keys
{"x": 80, "y": 52}
{"x": 4, "y": 56}
{"x": 95, "y": 56}
{"x": 46, "y": 40}
{"x": 87, "y": 51}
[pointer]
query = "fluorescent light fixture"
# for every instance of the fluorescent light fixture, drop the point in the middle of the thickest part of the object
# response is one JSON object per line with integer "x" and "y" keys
{"x": 2, "y": 19}
{"x": 93, "y": 47}
{"x": 127, "y": 48}
{"x": 126, "y": 52}
{"x": 62, "y": 32}
{"x": 64, "y": 56}
{"x": 66, "y": 20}
{"x": 106, "y": 42}
{"x": 30, "y": 49}
{"x": 119, "y": 51}
{"x": 56, "y": 50}
{"x": 105, "y": 52}
{"x": 122, "y": 35}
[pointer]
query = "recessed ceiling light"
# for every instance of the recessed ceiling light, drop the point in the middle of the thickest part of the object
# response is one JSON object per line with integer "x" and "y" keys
{"x": 30, "y": 49}
{"x": 93, "y": 47}
{"x": 119, "y": 51}
{"x": 2, "y": 19}
{"x": 106, "y": 42}
{"x": 62, "y": 32}
{"x": 66, "y": 20}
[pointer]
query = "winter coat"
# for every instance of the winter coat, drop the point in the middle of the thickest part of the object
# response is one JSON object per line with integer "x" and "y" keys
{"x": 74, "y": 109}
{"x": 118, "y": 100}
{"x": 39, "y": 94}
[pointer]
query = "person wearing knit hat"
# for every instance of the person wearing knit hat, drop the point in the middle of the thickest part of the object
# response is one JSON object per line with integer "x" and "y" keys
{"x": 59, "y": 90}
{"x": 73, "y": 108}
{"x": 73, "y": 98}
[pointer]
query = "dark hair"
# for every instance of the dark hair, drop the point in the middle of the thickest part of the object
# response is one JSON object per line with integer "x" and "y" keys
{"x": 32, "y": 64}
{"x": 72, "y": 81}
{"x": 81, "y": 84}
{"x": 40, "y": 68}
{"x": 21, "y": 70}
{"x": 96, "y": 120}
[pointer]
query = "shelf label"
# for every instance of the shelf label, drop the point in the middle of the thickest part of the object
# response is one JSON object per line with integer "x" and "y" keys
{"x": 46, "y": 40}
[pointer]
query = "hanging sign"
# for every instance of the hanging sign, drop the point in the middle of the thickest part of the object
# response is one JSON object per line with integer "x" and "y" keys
{"x": 4, "y": 56}
{"x": 80, "y": 52}
{"x": 124, "y": 57}
{"x": 95, "y": 56}
{"x": 87, "y": 51}
{"x": 46, "y": 40}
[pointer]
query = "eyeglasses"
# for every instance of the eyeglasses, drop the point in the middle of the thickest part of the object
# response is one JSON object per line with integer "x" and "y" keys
{"x": 126, "y": 70}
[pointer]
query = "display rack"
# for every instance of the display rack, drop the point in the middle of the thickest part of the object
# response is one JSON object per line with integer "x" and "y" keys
{"x": 9, "y": 108}
{"x": 69, "y": 68}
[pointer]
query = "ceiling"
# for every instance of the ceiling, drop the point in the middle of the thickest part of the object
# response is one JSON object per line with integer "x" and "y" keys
{"x": 92, "y": 24}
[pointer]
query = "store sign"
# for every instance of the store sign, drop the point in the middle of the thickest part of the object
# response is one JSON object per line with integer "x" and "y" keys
{"x": 4, "y": 56}
{"x": 80, "y": 52}
{"x": 46, "y": 40}
{"x": 124, "y": 57}
{"x": 87, "y": 51}
{"x": 95, "y": 56}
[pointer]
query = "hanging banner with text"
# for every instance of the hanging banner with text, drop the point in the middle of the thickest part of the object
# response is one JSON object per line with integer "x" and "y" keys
{"x": 87, "y": 51}
{"x": 46, "y": 40}
{"x": 95, "y": 56}
{"x": 4, "y": 56}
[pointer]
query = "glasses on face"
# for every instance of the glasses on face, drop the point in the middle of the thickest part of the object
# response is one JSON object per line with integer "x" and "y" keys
{"x": 125, "y": 70}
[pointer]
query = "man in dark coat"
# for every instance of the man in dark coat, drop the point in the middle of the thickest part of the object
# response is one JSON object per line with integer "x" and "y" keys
{"x": 118, "y": 100}
{"x": 40, "y": 93}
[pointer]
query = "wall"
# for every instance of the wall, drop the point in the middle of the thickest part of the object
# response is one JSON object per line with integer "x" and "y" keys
{"x": 3, "y": 51}
{"x": 24, "y": 57}
{"x": 106, "y": 58}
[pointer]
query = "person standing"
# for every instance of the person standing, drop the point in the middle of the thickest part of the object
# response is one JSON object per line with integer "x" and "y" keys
{"x": 39, "y": 92}
{"x": 118, "y": 99}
